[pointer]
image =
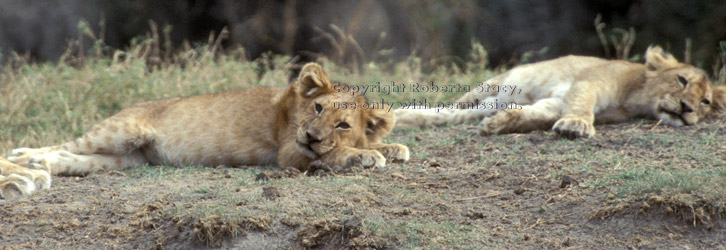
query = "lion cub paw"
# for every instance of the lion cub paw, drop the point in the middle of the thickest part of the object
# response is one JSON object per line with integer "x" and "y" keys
{"x": 348, "y": 159}
{"x": 365, "y": 158}
{"x": 18, "y": 181}
{"x": 395, "y": 152}
{"x": 499, "y": 123}
{"x": 14, "y": 186}
{"x": 574, "y": 128}
{"x": 53, "y": 161}
{"x": 21, "y": 156}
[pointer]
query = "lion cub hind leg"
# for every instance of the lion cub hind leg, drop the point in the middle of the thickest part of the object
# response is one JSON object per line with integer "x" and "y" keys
{"x": 538, "y": 116}
{"x": 17, "y": 181}
{"x": 66, "y": 163}
{"x": 117, "y": 135}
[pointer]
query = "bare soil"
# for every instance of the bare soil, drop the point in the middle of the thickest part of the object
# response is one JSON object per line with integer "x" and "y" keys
{"x": 528, "y": 191}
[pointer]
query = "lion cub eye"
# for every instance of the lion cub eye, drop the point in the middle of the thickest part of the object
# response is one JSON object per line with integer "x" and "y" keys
{"x": 706, "y": 101}
{"x": 343, "y": 125}
{"x": 318, "y": 108}
{"x": 682, "y": 80}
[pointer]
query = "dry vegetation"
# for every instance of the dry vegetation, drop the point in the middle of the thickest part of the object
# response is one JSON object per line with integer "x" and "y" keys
{"x": 635, "y": 185}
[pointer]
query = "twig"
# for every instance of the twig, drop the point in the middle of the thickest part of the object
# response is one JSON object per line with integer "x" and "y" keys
{"x": 687, "y": 53}
{"x": 656, "y": 125}
{"x": 331, "y": 39}
{"x": 599, "y": 26}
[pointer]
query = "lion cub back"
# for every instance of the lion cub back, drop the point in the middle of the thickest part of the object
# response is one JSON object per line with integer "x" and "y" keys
{"x": 230, "y": 128}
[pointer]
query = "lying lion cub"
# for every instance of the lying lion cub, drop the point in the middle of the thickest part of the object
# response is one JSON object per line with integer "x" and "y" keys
{"x": 571, "y": 93}
{"x": 291, "y": 126}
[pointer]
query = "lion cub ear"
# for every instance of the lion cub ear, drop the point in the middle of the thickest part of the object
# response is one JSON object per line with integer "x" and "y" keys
{"x": 718, "y": 102}
{"x": 657, "y": 59}
{"x": 379, "y": 123}
{"x": 312, "y": 81}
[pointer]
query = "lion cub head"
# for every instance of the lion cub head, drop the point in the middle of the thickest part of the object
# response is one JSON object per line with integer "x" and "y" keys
{"x": 683, "y": 93}
{"x": 327, "y": 118}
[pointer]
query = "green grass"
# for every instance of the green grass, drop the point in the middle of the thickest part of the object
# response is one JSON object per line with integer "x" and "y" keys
{"x": 678, "y": 166}
{"x": 708, "y": 183}
{"x": 428, "y": 235}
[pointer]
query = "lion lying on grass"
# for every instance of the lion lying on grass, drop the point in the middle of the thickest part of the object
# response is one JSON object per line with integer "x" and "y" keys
{"x": 294, "y": 126}
{"x": 571, "y": 93}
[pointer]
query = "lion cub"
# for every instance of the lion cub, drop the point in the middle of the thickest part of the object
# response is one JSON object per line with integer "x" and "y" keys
{"x": 293, "y": 127}
{"x": 572, "y": 93}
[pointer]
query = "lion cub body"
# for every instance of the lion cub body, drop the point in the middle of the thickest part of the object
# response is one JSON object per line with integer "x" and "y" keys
{"x": 230, "y": 128}
{"x": 293, "y": 127}
{"x": 571, "y": 93}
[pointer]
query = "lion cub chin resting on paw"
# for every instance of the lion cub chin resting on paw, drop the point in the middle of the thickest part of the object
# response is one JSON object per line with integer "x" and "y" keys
{"x": 293, "y": 127}
{"x": 569, "y": 94}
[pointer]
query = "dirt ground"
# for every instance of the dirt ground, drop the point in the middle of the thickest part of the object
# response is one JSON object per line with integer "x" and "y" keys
{"x": 528, "y": 191}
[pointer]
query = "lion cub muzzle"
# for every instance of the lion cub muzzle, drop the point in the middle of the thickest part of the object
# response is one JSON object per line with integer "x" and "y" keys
{"x": 680, "y": 113}
{"x": 311, "y": 142}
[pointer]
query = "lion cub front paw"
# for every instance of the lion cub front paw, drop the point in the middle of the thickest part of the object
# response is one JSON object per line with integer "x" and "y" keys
{"x": 352, "y": 158}
{"x": 365, "y": 158}
{"x": 395, "y": 152}
{"x": 574, "y": 128}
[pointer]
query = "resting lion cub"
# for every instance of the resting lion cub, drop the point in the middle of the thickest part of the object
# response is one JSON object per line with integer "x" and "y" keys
{"x": 292, "y": 126}
{"x": 571, "y": 93}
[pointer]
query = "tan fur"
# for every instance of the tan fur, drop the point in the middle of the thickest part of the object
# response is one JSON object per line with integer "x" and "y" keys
{"x": 17, "y": 181}
{"x": 290, "y": 126}
{"x": 571, "y": 93}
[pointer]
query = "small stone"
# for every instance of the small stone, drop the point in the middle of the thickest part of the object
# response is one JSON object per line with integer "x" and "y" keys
{"x": 262, "y": 177}
{"x": 567, "y": 242}
{"x": 566, "y": 181}
{"x": 270, "y": 193}
{"x": 354, "y": 222}
{"x": 321, "y": 173}
{"x": 519, "y": 191}
{"x": 476, "y": 215}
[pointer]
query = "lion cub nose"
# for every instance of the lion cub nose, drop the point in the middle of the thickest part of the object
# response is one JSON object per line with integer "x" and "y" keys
{"x": 685, "y": 107}
{"x": 311, "y": 138}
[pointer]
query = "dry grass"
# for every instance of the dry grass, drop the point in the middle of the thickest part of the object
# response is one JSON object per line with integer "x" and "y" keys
{"x": 719, "y": 68}
{"x": 622, "y": 45}
{"x": 50, "y": 103}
